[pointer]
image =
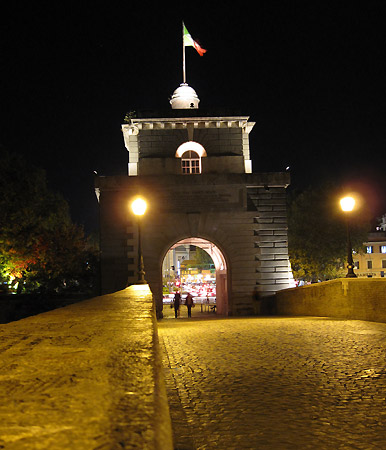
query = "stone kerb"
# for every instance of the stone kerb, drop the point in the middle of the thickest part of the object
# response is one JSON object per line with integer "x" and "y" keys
{"x": 346, "y": 298}
{"x": 85, "y": 376}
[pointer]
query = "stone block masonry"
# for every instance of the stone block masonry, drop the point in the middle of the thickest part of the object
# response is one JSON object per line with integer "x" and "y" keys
{"x": 196, "y": 174}
{"x": 87, "y": 376}
{"x": 244, "y": 215}
{"x": 271, "y": 241}
{"x": 345, "y": 298}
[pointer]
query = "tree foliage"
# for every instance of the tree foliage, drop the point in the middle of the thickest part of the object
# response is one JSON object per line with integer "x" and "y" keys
{"x": 40, "y": 248}
{"x": 199, "y": 259}
{"x": 202, "y": 258}
{"x": 317, "y": 233}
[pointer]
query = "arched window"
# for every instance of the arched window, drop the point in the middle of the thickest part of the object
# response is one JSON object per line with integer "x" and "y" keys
{"x": 190, "y": 162}
{"x": 190, "y": 154}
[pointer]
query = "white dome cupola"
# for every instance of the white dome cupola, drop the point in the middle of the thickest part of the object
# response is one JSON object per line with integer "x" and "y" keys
{"x": 184, "y": 97}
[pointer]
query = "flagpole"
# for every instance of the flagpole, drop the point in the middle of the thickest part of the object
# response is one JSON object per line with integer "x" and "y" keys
{"x": 183, "y": 56}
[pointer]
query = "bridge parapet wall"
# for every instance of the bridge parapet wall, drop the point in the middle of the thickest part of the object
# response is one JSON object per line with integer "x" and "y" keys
{"x": 85, "y": 376}
{"x": 347, "y": 298}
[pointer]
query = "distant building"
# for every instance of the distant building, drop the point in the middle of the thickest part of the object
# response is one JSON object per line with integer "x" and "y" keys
{"x": 372, "y": 263}
{"x": 174, "y": 257}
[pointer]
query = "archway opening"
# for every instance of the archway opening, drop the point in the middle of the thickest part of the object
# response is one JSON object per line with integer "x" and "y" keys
{"x": 197, "y": 266}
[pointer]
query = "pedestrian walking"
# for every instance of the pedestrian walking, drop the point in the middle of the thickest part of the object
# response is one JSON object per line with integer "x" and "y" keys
{"x": 189, "y": 303}
{"x": 176, "y": 304}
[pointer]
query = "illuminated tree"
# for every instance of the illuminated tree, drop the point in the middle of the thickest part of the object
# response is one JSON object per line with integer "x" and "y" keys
{"x": 202, "y": 258}
{"x": 317, "y": 240}
{"x": 40, "y": 248}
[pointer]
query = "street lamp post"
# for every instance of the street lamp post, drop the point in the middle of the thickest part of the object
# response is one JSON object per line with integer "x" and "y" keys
{"x": 139, "y": 206}
{"x": 347, "y": 204}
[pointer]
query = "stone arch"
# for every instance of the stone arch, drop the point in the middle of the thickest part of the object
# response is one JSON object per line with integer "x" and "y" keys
{"x": 162, "y": 230}
{"x": 193, "y": 146}
{"x": 221, "y": 266}
{"x": 190, "y": 153}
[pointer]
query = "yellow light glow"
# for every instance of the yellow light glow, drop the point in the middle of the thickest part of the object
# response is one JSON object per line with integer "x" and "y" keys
{"x": 139, "y": 206}
{"x": 347, "y": 204}
{"x": 190, "y": 145}
{"x": 139, "y": 289}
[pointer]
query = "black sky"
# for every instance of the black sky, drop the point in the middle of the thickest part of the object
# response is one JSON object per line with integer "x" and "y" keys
{"x": 311, "y": 74}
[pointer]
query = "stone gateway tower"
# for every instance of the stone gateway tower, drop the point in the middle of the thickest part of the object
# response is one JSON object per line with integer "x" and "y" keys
{"x": 195, "y": 172}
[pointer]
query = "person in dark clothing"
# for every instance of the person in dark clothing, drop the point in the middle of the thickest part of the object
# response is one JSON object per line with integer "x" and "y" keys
{"x": 177, "y": 302}
{"x": 189, "y": 303}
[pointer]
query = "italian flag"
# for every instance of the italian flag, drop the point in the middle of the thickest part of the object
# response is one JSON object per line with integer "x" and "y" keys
{"x": 189, "y": 42}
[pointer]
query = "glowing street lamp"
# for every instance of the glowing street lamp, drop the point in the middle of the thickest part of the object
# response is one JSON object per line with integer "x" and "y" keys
{"x": 139, "y": 206}
{"x": 347, "y": 204}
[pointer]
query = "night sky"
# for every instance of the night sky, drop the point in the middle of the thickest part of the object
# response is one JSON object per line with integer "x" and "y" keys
{"x": 310, "y": 74}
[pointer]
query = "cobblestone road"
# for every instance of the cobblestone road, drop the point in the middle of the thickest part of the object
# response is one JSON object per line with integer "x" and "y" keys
{"x": 275, "y": 383}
